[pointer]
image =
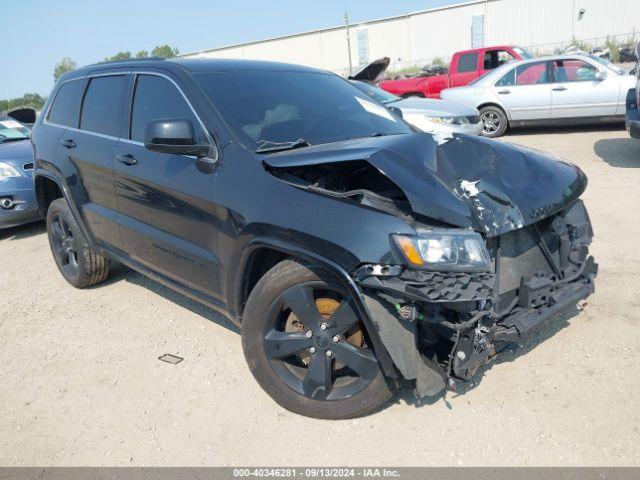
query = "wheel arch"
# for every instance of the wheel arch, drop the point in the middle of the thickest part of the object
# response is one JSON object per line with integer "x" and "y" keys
{"x": 496, "y": 105}
{"x": 264, "y": 253}
{"x": 49, "y": 188}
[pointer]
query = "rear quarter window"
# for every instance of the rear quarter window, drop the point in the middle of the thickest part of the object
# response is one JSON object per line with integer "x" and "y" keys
{"x": 101, "y": 107}
{"x": 65, "y": 109}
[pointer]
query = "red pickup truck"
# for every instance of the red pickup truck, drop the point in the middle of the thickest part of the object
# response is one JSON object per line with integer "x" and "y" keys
{"x": 465, "y": 67}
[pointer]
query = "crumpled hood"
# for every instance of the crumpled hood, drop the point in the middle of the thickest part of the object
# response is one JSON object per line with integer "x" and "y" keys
{"x": 466, "y": 181}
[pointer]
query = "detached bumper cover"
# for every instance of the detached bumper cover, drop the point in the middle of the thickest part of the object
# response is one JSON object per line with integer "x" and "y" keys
{"x": 537, "y": 276}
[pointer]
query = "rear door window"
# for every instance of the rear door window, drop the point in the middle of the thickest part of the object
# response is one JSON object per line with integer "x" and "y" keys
{"x": 468, "y": 62}
{"x": 156, "y": 98}
{"x": 101, "y": 108}
{"x": 65, "y": 109}
{"x": 532, "y": 74}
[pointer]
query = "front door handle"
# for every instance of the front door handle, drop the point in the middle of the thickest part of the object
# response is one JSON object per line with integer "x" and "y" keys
{"x": 561, "y": 88}
{"x": 68, "y": 143}
{"x": 504, "y": 92}
{"x": 127, "y": 159}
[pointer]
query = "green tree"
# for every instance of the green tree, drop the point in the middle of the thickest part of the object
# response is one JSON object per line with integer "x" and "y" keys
{"x": 119, "y": 56}
{"x": 165, "y": 51}
{"x": 63, "y": 66}
{"x": 142, "y": 54}
{"x": 30, "y": 100}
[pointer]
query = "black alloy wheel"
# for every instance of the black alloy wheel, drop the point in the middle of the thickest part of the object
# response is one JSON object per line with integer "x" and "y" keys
{"x": 315, "y": 343}
{"x": 63, "y": 245}
{"x": 79, "y": 263}
{"x": 307, "y": 347}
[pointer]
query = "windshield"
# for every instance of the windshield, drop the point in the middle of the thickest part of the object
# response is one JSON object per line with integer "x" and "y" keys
{"x": 376, "y": 93}
{"x": 606, "y": 63}
{"x": 11, "y": 130}
{"x": 266, "y": 107}
{"x": 523, "y": 52}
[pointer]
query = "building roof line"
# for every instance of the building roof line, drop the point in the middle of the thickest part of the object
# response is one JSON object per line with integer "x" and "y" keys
{"x": 339, "y": 27}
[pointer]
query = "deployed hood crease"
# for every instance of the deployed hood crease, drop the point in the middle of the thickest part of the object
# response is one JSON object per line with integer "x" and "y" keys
{"x": 469, "y": 182}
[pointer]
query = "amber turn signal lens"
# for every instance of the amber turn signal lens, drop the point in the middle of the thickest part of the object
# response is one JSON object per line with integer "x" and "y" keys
{"x": 409, "y": 250}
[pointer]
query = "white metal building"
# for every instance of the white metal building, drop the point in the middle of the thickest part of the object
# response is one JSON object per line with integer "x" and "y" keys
{"x": 417, "y": 38}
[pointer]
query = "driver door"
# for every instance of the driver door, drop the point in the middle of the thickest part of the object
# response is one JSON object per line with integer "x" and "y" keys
{"x": 168, "y": 220}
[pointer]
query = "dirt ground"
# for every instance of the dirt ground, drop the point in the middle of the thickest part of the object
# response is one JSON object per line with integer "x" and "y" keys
{"x": 81, "y": 384}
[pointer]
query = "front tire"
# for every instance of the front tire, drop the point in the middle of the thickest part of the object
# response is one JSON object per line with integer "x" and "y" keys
{"x": 494, "y": 121}
{"x": 79, "y": 263}
{"x": 307, "y": 348}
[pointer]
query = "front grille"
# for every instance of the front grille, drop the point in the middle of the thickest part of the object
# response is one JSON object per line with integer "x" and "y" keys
{"x": 521, "y": 257}
{"x": 473, "y": 118}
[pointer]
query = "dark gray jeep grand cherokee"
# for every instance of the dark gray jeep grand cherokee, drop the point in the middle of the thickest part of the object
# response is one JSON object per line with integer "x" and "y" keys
{"x": 357, "y": 254}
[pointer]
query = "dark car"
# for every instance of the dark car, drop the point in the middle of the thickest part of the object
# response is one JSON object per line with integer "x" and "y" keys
{"x": 632, "y": 116}
{"x": 357, "y": 254}
{"x": 17, "y": 191}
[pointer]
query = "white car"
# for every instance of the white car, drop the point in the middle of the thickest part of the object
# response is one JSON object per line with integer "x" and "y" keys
{"x": 566, "y": 88}
{"x": 427, "y": 114}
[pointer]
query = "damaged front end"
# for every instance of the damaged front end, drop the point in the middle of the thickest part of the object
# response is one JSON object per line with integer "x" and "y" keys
{"x": 501, "y": 243}
{"x": 459, "y": 320}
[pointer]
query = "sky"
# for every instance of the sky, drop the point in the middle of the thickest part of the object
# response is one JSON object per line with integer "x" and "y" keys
{"x": 36, "y": 34}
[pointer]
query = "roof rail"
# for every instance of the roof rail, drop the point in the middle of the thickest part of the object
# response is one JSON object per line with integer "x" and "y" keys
{"x": 112, "y": 62}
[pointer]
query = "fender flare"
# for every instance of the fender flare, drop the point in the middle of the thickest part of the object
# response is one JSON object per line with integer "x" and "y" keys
{"x": 332, "y": 267}
{"x": 66, "y": 195}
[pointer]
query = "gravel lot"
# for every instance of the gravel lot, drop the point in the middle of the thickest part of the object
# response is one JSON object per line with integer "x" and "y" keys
{"x": 81, "y": 384}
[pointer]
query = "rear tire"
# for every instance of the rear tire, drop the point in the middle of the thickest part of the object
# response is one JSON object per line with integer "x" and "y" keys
{"x": 494, "y": 121}
{"x": 79, "y": 263}
{"x": 286, "y": 359}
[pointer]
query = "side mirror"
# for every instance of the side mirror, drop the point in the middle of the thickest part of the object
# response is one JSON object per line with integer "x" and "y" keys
{"x": 396, "y": 111}
{"x": 600, "y": 75}
{"x": 176, "y": 136}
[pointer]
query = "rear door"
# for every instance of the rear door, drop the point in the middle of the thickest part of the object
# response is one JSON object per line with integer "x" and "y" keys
{"x": 90, "y": 148}
{"x": 577, "y": 93}
{"x": 525, "y": 91}
{"x": 167, "y": 219}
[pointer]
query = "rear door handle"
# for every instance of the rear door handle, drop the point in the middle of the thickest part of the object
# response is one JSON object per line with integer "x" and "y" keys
{"x": 504, "y": 92}
{"x": 559, "y": 89}
{"x": 127, "y": 159}
{"x": 68, "y": 143}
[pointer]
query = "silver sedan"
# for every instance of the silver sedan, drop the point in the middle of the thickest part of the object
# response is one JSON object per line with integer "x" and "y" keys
{"x": 428, "y": 114}
{"x": 559, "y": 89}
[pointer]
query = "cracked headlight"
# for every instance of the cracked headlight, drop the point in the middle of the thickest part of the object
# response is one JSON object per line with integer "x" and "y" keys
{"x": 458, "y": 250}
{"x": 7, "y": 171}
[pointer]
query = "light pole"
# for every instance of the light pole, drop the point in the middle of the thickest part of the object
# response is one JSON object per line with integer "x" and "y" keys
{"x": 346, "y": 22}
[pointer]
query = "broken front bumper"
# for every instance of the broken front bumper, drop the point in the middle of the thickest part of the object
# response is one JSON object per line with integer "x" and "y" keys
{"x": 539, "y": 271}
